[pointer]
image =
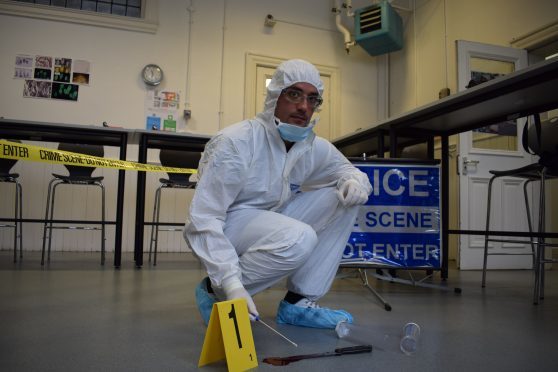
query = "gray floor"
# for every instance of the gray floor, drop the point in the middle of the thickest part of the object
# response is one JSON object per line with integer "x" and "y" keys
{"x": 77, "y": 316}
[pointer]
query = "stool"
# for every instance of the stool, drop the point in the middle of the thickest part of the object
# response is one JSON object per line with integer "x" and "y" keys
{"x": 178, "y": 159}
{"x": 5, "y": 176}
{"x": 532, "y": 172}
{"x": 78, "y": 176}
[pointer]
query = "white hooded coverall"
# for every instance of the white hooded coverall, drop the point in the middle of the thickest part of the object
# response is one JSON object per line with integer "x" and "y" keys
{"x": 260, "y": 213}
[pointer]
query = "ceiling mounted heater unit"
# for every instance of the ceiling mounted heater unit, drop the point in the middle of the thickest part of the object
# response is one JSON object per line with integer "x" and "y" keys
{"x": 378, "y": 29}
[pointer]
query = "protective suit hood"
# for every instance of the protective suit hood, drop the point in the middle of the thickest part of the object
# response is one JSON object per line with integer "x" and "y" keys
{"x": 289, "y": 73}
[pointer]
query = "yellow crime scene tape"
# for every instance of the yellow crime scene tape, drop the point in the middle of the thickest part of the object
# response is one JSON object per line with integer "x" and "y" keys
{"x": 21, "y": 151}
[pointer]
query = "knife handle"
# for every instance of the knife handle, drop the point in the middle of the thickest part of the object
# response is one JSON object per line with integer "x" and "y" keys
{"x": 354, "y": 349}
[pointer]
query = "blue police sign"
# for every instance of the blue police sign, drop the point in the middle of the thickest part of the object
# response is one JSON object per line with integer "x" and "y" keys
{"x": 400, "y": 224}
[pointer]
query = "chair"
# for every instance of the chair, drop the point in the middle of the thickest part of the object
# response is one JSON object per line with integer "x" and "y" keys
{"x": 530, "y": 173}
{"x": 78, "y": 176}
{"x": 5, "y": 176}
{"x": 178, "y": 159}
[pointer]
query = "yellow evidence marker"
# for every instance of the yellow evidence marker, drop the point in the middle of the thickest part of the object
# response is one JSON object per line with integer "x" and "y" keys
{"x": 229, "y": 335}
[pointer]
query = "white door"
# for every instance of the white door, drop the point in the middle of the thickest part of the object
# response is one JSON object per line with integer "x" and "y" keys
{"x": 495, "y": 147}
{"x": 323, "y": 128}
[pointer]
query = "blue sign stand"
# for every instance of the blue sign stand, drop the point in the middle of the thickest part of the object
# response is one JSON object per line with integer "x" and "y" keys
{"x": 399, "y": 226}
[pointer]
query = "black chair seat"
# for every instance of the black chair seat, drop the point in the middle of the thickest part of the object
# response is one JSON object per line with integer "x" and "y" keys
{"x": 78, "y": 179}
{"x": 185, "y": 184}
{"x": 530, "y": 172}
{"x": 8, "y": 177}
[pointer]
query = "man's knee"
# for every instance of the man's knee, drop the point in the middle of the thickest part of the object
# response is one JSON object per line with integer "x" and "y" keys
{"x": 308, "y": 240}
{"x": 300, "y": 241}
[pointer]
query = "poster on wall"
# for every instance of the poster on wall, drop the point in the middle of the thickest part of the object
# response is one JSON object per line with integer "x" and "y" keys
{"x": 67, "y": 92}
{"x": 43, "y": 68}
{"x": 23, "y": 73}
{"x": 62, "y": 70}
{"x": 37, "y": 89}
{"x": 42, "y": 74}
{"x": 162, "y": 111}
{"x": 80, "y": 74}
{"x": 23, "y": 67}
{"x": 51, "y": 77}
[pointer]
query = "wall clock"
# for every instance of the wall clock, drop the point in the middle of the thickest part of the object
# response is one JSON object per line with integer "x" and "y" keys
{"x": 152, "y": 74}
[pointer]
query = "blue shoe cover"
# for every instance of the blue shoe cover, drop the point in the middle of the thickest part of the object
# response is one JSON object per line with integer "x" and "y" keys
{"x": 318, "y": 317}
{"x": 204, "y": 300}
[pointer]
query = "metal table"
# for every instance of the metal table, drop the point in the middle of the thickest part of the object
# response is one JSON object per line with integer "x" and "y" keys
{"x": 525, "y": 92}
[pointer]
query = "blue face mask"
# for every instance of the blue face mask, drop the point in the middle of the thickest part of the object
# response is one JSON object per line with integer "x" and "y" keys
{"x": 294, "y": 133}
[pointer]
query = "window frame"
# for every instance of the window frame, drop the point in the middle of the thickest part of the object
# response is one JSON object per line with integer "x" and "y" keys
{"x": 148, "y": 22}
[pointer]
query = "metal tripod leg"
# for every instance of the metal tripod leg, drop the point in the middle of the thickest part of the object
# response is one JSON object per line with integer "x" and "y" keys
{"x": 364, "y": 278}
{"x": 416, "y": 283}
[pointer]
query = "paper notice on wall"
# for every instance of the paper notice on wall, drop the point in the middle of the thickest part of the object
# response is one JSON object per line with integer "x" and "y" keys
{"x": 162, "y": 111}
{"x": 23, "y": 67}
{"x": 81, "y": 73}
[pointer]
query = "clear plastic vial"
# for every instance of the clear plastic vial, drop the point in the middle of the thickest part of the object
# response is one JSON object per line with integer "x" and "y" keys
{"x": 409, "y": 341}
{"x": 377, "y": 337}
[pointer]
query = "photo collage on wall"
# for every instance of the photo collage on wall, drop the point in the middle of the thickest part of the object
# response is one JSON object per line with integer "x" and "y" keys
{"x": 51, "y": 77}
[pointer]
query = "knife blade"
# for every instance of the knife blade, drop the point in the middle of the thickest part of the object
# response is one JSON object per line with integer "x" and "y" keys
{"x": 283, "y": 361}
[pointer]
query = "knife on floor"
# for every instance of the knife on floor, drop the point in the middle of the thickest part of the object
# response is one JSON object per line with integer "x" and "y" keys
{"x": 283, "y": 361}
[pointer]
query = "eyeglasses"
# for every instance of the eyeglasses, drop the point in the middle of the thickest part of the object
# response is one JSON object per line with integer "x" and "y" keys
{"x": 296, "y": 96}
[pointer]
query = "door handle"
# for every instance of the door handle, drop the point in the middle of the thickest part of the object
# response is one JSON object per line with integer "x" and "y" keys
{"x": 467, "y": 162}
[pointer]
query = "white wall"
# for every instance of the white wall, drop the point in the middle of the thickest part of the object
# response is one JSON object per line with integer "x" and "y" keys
{"x": 116, "y": 94}
{"x": 216, "y": 86}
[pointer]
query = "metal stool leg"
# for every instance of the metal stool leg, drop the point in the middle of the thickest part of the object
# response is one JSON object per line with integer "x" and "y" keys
{"x": 534, "y": 250}
{"x": 18, "y": 186}
{"x": 51, "y": 218}
{"x": 487, "y": 229}
{"x": 542, "y": 229}
{"x": 102, "y": 223}
{"x": 45, "y": 227}
{"x": 528, "y": 210}
{"x": 16, "y": 214}
{"x": 539, "y": 266}
{"x": 156, "y": 242}
{"x": 155, "y": 221}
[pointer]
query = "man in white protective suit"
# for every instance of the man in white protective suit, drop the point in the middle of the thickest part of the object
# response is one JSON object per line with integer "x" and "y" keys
{"x": 273, "y": 200}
